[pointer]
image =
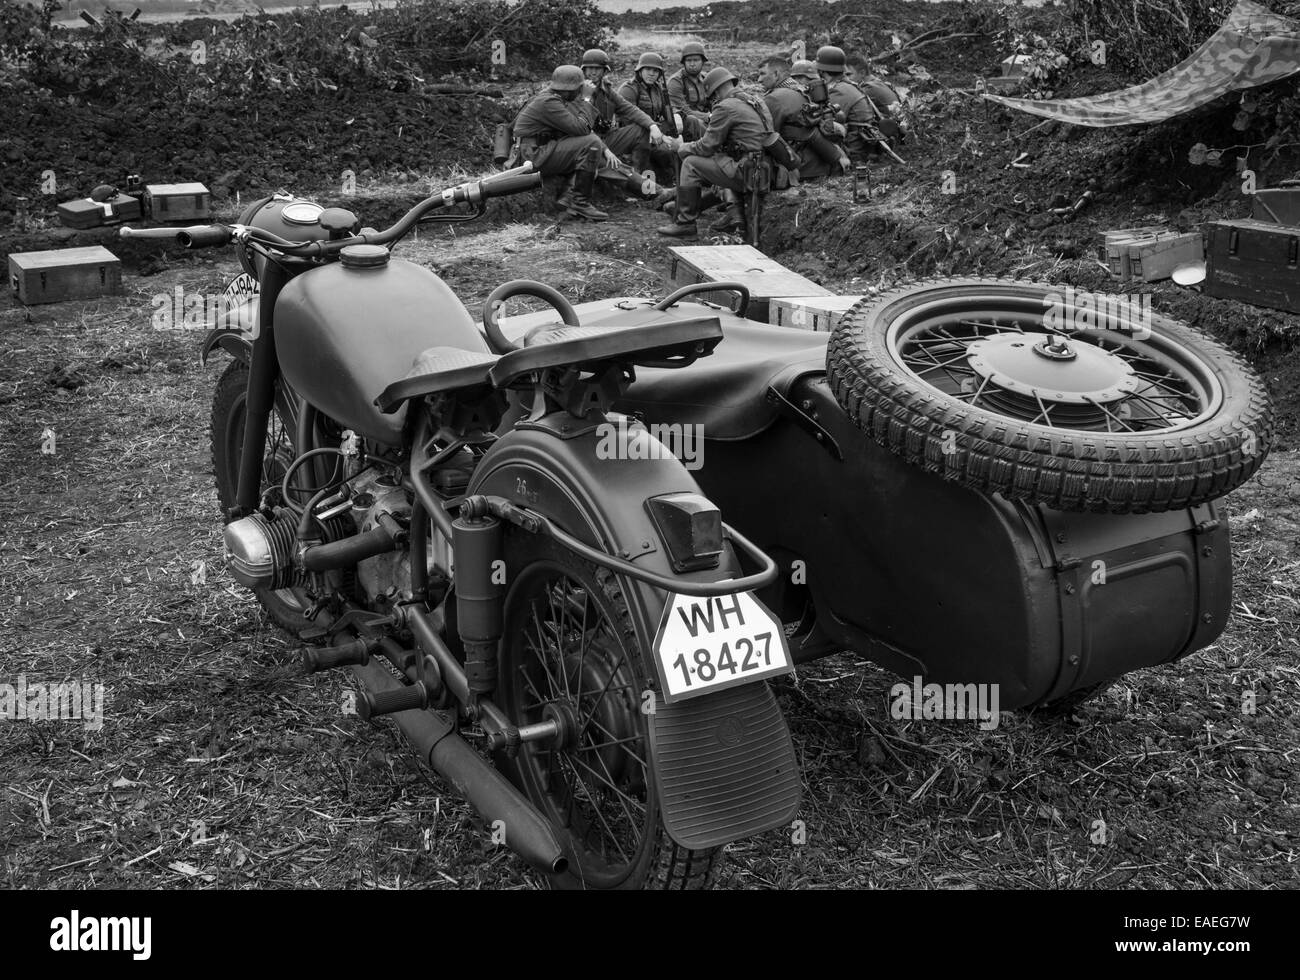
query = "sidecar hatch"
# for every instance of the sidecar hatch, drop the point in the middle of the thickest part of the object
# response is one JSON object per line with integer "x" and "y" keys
{"x": 726, "y": 393}
{"x": 666, "y": 342}
{"x": 436, "y": 370}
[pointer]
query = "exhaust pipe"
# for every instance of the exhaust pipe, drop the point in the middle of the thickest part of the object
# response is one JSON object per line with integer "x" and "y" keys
{"x": 438, "y": 746}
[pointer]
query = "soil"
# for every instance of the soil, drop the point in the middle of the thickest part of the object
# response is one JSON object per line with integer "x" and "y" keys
{"x": 219, "y": 765}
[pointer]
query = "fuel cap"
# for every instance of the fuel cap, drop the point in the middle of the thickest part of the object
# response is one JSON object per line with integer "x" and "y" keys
{"x": 301, "y": 213}
{"x": 364, "y": 256}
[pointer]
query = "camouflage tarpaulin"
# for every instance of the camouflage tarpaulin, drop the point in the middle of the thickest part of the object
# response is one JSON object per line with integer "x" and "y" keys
{"x": 1253, "y": 47}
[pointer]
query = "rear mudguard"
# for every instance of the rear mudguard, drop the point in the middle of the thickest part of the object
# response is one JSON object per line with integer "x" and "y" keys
{"x": 929, "y": 578}
{"x": 723, "y": 763}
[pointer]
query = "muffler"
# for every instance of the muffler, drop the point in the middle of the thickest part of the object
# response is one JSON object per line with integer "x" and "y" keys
{"x": 433, "y": 735}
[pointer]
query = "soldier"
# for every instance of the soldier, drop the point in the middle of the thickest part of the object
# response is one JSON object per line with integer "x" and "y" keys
{"x": 554, "y": 132}
{"x": 866, "y": 114}
{"x": 630, "y": 140}
{"x": 686, "y": 91}
{"x": 799, "y": 120}
{"x": 738, "y": 123}
{"x": 646, "y": 90}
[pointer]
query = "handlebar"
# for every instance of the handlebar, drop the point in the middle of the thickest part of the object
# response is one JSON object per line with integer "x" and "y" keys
{"x": 508, "y": 182}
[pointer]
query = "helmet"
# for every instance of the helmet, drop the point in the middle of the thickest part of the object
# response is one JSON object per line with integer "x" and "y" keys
{"x": 594, "y": 57}
{"x": 830, "y": 58}
{"x": 715, "y": 79}
{"x": 803, "y": 69}
{"x": 693, "y": 47}
{"x": 650, "y": 60}
{"x": 566, "y": 78}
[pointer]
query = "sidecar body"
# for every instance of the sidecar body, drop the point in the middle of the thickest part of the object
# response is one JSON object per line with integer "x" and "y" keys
{"x": 921, "y": 575}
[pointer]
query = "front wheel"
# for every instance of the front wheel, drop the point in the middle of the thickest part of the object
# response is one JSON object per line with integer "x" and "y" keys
{"x": 571, "y": 656}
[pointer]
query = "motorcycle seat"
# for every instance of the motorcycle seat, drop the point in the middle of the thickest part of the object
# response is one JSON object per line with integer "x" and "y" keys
{"x": 436, "y": 370}
{"x": 665, "y": 342}
{"x": 726, "y": 393}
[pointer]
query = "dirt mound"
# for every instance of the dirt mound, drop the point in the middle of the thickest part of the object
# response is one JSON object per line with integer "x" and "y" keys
{"x": 275, "y": 140}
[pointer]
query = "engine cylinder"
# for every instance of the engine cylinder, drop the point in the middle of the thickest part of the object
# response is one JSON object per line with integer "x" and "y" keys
{"x": 259, "y": 552}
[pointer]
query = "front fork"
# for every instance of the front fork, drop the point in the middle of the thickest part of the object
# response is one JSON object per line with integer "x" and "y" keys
{"x": 264, "y": 368}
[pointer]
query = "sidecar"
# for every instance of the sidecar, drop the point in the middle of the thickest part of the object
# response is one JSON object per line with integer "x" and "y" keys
{"x": 926, "y": 575}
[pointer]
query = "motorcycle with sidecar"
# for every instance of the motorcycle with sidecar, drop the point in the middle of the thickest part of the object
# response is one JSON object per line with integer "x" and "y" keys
{"x": 477, "y": 521}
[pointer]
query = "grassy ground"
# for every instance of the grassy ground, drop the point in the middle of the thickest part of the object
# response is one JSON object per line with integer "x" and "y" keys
{"x": 219, "y": 765}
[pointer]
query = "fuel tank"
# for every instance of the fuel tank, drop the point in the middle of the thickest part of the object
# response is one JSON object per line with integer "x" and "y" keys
{"x": 346, "y": 331}
{"x": 292, "y": 219}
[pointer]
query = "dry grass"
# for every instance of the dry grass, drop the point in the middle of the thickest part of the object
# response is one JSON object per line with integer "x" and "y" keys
{"x": 219, "y": 765}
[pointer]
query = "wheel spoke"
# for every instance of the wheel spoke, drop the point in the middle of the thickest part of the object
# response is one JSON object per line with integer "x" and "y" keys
{"x": 613, "y": 838}
{"x": 1109, "y": 415}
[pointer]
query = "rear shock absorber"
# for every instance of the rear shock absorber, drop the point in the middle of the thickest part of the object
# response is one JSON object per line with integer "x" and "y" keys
{"x": 480, "y": 590}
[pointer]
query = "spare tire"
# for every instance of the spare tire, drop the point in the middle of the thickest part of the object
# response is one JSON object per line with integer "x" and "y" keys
{"x": 1040, "y": 394}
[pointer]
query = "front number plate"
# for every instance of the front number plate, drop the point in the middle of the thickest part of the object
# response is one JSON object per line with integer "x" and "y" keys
{"x": 708, "y": 643}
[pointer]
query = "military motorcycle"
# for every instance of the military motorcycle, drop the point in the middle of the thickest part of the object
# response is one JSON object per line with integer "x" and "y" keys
{"x": 967, "y": 481}
{"x": 540, "y": 579}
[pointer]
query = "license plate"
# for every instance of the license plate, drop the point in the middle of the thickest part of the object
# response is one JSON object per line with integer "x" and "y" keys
{"x": 241, "y": 288}
{"x": 706, "y": 643}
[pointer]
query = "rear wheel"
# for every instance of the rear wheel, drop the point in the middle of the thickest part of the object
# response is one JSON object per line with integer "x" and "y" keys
{"x": 285, "y": 606}
{"x": 571, "y": 656}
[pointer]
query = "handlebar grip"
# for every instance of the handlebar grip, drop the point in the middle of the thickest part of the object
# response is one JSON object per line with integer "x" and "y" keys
{"x": 502, "y": 186}
{"x": 172, "y": 233}
{"x": 202, "y": 236}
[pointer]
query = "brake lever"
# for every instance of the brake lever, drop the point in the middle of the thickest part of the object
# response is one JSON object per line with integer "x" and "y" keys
{"x": 439, "y": 216}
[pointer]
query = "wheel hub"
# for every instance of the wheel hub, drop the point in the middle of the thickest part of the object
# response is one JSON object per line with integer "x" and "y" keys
{"x": 1049, "y": 367}
{"x": 566, "y": 721}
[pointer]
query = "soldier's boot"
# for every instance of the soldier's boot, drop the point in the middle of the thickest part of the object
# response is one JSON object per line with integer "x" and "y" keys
{"x": 688, "y": 206}
{"x": 565, "y": 197}
{"x": 635, "y": 185}
{"x": 580, "y": 204}
{"x": 708, "y": 199}
{"x": 734, "y": 219}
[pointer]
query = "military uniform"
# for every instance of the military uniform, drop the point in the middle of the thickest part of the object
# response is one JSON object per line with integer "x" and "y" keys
{"x": 623, "y": 126}
{"x": 853, "y": 109}
{"x": 790, "y": 105}
{"x": 735, "y": 128}
{"x": 653, "y": 101}
{"x": 686, "y": 93}
{"x": 556, "y": 135}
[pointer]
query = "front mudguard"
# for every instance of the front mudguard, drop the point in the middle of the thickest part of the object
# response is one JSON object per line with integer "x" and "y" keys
{"x": 723, "y": 764}
{"x": 234, "y": 333}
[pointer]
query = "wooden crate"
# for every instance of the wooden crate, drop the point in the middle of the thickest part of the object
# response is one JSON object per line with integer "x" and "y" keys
{"x": 1114, "y": 254}
{"x": 1256, "y": 262}
{"x": 1154, "y": 259}
{"x": 1013, "y": 66}
{"x": 1280, "y": 205}
{"x": 818, "y": 313}
{"x": 765, "y": 277}
{"x": 178, "y": 202}
{"x": 64, "y": 273}
{"x": 85, "y": 213}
